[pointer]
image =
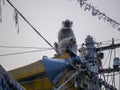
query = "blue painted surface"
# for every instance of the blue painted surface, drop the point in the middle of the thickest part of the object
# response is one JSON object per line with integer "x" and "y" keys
{"x": 7, "y": 82}
{"x": 54, "y": 67}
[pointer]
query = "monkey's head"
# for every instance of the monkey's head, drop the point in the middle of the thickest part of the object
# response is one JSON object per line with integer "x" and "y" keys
{"x": 67, "y": 24}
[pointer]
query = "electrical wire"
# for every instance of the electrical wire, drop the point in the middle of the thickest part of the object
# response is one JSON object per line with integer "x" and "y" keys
{"x": 109, "y": 63}
{"x": 106, "y": 59}
{"x": 103, "y": 76}
{"x": 119, "y": 81}
{"x": 113, "y": 80}
{"x": 110, "y": 40}
{"x": 23, "y": 47}
{"x": 23, "y": 52}
{"x": 29, "y": 23}
{"x": 112, "y": 74}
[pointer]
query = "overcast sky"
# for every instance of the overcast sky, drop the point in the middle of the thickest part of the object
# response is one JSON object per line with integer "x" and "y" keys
{"x": 46, "y": 16}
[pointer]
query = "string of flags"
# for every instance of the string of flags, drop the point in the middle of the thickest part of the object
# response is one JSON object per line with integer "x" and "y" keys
{"x": 16, "y": 18}
{"x": 83, "y": 4}
{"x": 2, "y": 2}
{"x": 101, "y": 16}
{"x": 15, "y": 15}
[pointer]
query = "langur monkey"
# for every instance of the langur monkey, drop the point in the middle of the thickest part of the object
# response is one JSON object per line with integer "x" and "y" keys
{"x": 66, "y": 38}
{"x": 66, "y": 30}
{"x": 67, "y": 44}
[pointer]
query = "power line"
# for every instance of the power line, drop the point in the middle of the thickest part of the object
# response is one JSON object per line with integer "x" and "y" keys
{"x": 23, "y": 52}
{"x": 110, "y": 40}
{"x": 29, "y": 24}
{"x": 23, "y": 47}
{"x": 114, "y": 74}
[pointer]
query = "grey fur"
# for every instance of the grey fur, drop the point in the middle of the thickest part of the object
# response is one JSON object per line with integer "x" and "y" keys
{"x": 65, "y": 31}
{"x": 66, "y": 39}
{"x": 67, "y": 44}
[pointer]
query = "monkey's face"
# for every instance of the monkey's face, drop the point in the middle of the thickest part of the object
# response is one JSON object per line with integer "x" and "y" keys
{"x": 67, "y": 24}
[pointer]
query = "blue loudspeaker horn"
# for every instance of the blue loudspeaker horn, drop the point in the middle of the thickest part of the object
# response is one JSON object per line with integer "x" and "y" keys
{"x": 54, "y": 67}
